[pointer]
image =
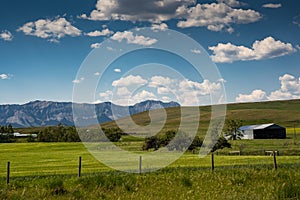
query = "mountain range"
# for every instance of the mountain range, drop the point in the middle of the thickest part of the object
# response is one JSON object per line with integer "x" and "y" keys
{"x": 48, "y": 113}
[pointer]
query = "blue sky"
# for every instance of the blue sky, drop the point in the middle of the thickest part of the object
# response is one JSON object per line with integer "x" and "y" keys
{"x": 254, "y": 44}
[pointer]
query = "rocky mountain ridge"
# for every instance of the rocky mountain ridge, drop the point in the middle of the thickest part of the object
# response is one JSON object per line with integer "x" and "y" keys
{"x": 48, "y": 113}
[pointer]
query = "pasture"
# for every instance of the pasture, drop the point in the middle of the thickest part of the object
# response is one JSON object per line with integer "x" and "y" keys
{"x": 49, "y": 171}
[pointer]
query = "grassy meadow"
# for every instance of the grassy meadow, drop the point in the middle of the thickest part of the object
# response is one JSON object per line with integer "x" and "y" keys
{"x": 38, "y": 159}
{"x": 49, "y": 171}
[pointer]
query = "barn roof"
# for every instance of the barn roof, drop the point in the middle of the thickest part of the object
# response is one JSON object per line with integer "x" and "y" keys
{"x": 255, "y": 127}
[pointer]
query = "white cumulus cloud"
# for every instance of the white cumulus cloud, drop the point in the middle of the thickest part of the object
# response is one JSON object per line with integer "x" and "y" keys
{"x": 219, "y": 16}
{"x": 255, "y": 96}
{"x": 136, "y": 10}
{"x": 97, "y": 33}
{"x": 160, "y": 81}
{"x": 5, "y": 76}
{"x": 143, "y": 95}
{"x": 133, "y": 39}
{"x": 129, "y": 81}
{"x": 161, "y": 26}
{"x": 50, "y": 29}
{"x": 132, "y": 89}
{"x": 6, "y": 35}
{"x": 289, "y": 89}
{"x": 232, "y": 3}
{"x": 77, "y": 81}
{"x": 196, "y": 51}
{"x": 117, "y": 70}
{"x": 95, "y": 45}
{"x": 216, "y": 16}
{"x": 106, "y": 96}
{"x": 123, "y": 91}
{"x": 264, "y": 49}
{"x": 272, "y": 5}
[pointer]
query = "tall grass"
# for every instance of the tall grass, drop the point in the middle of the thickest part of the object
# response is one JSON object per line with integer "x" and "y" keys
{"x": 170, "y": 183}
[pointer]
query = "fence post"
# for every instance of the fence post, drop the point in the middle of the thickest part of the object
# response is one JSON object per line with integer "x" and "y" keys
{"x": 212, "y": 162}
{"x": 140, "y": 165}
{"x": 275, "y": 162}
{"x": 79, "y": 167}
{"x": 8, "y": 173}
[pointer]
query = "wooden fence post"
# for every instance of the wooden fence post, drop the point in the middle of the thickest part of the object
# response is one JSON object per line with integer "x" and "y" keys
{"x": 212, "y": 162}
{"x": 79, "y": 167}
{"x": 140, "y": 165}
{"x": 275, "y": 162}
{"x": 8, "y": 173}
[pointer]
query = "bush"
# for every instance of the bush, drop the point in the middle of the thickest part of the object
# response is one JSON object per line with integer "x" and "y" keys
{"x": 178, "y": 143}
{"x": 151, "y": 143}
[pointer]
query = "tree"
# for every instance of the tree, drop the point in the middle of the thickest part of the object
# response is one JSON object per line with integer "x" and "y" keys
{"x": 151, "y": 142}
{"x": 2, "y": 129}
{"x": 160, "y": 140}
{"x": 221, "y": 144}
{"x": 180, "y": 142}
{"x": 10, "y": 129}
{"x": 165, "y": 138}
{"x": 196, "y": 143}
{"x": 173, "y": 140}
{"x": 6, "y": 133}
{"x": 114, "y": 135}
{"x": 58, "y": 133}
{"x": 231, "y": 130}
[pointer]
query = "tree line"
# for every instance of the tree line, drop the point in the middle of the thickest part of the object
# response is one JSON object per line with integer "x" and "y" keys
{"x": 62, "y": 133}
{"x": 6, "y": 134}
{"x": 180, "y": 141}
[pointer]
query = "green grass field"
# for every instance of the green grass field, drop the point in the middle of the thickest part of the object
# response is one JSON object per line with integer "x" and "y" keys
{"x": 62, "y": 158}
{"x": 49, "y": 171}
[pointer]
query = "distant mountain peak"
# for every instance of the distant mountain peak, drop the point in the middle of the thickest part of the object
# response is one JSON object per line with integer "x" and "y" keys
{"x": 49, "y": 113}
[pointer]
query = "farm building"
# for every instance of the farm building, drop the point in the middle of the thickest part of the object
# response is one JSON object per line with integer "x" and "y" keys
{"x": 263, "y": 131}
{"x": 20, "y": 135}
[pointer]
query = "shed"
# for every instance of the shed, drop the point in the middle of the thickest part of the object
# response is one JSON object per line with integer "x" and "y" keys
{"x": 20, "y": 135}
{"x": 263, "y": 131}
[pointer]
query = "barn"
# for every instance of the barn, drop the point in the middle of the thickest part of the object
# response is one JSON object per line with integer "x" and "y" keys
{"x": 263, "y": 131}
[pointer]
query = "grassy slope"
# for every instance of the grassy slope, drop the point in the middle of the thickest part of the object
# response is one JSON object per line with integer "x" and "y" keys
{"x": 285, "y": 113}
{"x": 282, "y": 112}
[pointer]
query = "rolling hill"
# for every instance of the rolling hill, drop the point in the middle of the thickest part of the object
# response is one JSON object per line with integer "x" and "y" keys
{"x": 285, "y": 113}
